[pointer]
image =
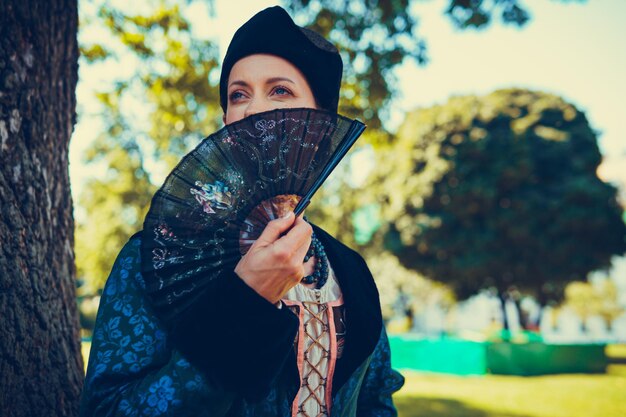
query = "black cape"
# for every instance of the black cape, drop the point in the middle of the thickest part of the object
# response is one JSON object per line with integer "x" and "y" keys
{"x": 234, "y": 334}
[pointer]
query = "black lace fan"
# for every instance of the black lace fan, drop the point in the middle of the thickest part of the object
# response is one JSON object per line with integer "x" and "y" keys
{"x": 220, "y": 197}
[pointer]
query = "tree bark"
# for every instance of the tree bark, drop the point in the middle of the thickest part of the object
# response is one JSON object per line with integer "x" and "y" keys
{"x": 41, "y": 369}
{"x": 505, "y": 319}
{"x": 524, "y": 322}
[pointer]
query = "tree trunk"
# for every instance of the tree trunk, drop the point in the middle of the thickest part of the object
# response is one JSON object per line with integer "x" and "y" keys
{"x": 505, "y": 319}
{"x": 524, "y": 321}
{"x": 41, "y": 369}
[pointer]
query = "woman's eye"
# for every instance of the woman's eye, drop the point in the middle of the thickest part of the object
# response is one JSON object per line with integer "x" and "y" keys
{"x": 281, "y": 91}
{"x": 235, "y": 95}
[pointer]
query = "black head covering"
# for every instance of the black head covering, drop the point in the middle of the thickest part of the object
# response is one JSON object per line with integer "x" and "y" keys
{"x": 272, "y": 31}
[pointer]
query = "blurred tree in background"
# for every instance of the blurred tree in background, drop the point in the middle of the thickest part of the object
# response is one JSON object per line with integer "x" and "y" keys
{"x": 175, "y": 83}
{"x": 179, "y": 107}
{"x": 500, "y": 191}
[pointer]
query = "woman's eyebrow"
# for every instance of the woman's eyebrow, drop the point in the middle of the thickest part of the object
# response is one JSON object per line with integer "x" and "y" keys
{"x": 239, "y": 82}
{"x": 277, "y": 79}
{"x": 268, "y": 81}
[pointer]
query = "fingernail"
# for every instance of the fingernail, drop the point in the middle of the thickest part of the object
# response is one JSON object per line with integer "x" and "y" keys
{"x": 288, "y": 215}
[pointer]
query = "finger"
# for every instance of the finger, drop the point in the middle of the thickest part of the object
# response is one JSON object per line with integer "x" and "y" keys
{"x": 306, "y": 243}
{"x": 299, "y": 236}
{"x": 275, "y": 229}
{"x": 300, "y": 252}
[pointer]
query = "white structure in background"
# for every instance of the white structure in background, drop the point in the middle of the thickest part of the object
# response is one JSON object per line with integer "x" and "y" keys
{"x": 568, "y": 329}
{"x": 618, "y": 328}
{"x": 571, "y": 329}
{"x": 431, "y": 321}
{"x": 616, "y": 332}
{"x": 474, "y": 317}
{"x": 476, "y": 314}
{"x": 597, "y": 329}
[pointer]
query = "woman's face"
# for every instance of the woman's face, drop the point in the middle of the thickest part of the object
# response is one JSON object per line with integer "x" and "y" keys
{"x": 260, "y": 82}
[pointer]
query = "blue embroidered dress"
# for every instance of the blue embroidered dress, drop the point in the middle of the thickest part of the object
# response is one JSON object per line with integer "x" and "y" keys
{"x": 137, "y": 369}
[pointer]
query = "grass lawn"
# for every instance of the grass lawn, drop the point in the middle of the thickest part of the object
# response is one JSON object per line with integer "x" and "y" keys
{"x": 437, "y": 395}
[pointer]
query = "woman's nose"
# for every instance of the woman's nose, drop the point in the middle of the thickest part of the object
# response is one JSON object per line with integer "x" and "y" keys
{"x": 257, "y": 106}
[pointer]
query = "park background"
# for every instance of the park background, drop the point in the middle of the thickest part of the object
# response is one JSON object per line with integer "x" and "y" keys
{"x": 567, "y": 54}
{"x": 520, "y": 96}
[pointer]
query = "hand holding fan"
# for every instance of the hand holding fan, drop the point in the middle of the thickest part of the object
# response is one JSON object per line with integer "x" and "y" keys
{"x": 221, "y": 195}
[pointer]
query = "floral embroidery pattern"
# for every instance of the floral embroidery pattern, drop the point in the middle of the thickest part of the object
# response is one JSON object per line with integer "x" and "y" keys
{"x": 265, "y": 126}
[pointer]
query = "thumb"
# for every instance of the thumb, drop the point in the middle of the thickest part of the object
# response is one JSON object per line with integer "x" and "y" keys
{"x": 275, "y": 229}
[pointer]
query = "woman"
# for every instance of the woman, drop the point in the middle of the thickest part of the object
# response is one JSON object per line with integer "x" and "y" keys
{"x": 273, "y": 338}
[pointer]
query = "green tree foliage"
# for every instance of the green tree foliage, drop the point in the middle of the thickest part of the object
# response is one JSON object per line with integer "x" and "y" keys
{"x": 152, "y": 118}
{"x": 501, "y": 191}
